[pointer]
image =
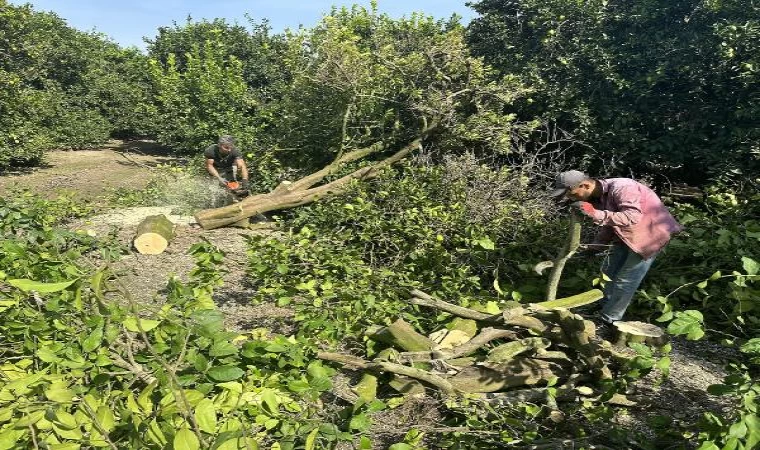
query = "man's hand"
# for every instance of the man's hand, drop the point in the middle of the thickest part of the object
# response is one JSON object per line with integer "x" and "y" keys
{"x": 590, "y": 250}
{"x": 245, "y": 185}
{"x": 584, "y": 208}
{"x": 222, "y": 182}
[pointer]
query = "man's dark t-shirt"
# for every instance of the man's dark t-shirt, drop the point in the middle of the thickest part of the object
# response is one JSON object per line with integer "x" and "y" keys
{"x": 222, "y": 162}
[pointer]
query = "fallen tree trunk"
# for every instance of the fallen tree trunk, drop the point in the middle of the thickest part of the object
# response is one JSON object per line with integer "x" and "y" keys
{"x": 153, "y": 235}
{"x": 301, "y": 192}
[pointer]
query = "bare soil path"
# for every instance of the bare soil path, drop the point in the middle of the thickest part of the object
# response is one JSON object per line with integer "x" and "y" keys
{"x": 90, "y": 173}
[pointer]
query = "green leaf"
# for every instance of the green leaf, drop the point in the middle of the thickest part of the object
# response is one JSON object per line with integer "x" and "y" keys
{"x": 400, "y": 446}
{"x": 269, "y": 398}
{"x": 486, "y": 243}
{"x": 663, "y": 365}
{"x": 365, "y": 443}
{"x": 43, "y": 288}
{"x": 492, "y": 308}
{"x": 225, "y": 373}
{"x": 688, "y": 323}
{"x": 60, "y": 395}
{"x": 750, "y": 265}
{"x": 29, "y": 419}
{"x": 738, "y": 430}
{"x": 65, "y": 420}
{"x": 360, "y": 422}
{"x": 205, "y": 414}
{"x": 130, "y": 323}
{"x": 185, "y": 440}
{"x": 93, "y": 340}
{"x": 65, "y": 446}
{"x": 753, "y": 427}
{"x": 105, "y": 418}
{"x": 97, "y": 284}
{"x": 222, "y": 348}
{"x": 751, "y": 346}
{"x": 708, "y": 445}
{"x": 311, "y": 439}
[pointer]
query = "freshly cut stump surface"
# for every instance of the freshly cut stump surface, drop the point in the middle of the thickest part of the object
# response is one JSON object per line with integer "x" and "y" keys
{"x": 153, "y": 235}
{"x": 639, "y": 332}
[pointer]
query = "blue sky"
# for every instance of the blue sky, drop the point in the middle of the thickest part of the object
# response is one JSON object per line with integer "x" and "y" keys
{"x": 127, "y": 22}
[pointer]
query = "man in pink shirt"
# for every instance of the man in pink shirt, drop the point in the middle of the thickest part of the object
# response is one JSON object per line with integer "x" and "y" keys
{"x": 633, "y": 221}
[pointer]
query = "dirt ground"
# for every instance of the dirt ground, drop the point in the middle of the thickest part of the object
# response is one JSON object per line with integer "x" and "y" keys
{"x": 93, "y": 173}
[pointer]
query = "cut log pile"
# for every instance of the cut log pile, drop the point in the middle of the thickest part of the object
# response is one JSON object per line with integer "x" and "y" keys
{"x": 526, "y": 347}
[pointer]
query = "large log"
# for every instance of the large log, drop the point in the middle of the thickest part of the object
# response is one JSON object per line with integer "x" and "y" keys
{"x": 497, "y": 377}
{"x": 153, "y": 235}
{"x": 573, "y": 301}
{"x": 574, "y": 328}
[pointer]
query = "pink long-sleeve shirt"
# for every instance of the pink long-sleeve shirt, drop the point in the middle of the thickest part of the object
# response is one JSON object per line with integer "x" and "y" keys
{"x": 635, "y": 214}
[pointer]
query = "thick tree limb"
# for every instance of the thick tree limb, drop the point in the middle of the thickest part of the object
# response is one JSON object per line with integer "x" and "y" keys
{"x": 441, "y": 383}
{"x": 423, "y": 299}
{"x": 571, "y": 245}
{"x": 402, "y": 335}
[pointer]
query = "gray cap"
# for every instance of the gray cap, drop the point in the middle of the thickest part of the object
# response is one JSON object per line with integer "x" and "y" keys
{"x": 567, "y": 180}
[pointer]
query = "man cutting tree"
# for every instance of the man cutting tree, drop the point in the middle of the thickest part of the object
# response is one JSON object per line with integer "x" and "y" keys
{"x": 225, "y": 163}
{"x": 633, "y": 221}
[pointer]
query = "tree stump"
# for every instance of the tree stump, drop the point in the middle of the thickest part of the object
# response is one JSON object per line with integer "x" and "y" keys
{"x": 639, "y": 332}
{"x": 153, "y": 235}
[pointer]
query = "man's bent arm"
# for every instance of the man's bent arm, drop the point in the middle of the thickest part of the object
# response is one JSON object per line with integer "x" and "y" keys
{"x": 243, "y": 168}
{"x": 211, "y": 169}
{"x": 629, "y": 204}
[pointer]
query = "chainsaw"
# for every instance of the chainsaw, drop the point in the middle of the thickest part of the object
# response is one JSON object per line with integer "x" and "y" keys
{"x": 235, "y": 189}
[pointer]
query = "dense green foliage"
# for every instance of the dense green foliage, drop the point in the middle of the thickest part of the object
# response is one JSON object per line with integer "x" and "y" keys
{"x": 63, "y": 88}
{"x": 659, "y": 87}
{"x": 84, "y": 365}
{"x": 663, "y": 90}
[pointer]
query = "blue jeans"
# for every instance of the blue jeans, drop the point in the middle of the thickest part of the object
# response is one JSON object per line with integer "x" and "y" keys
{"x": 626, "y": 269}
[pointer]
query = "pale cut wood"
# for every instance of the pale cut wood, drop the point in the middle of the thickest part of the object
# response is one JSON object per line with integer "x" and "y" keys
{"x": 574, "y": 329}
{"x": 153, "y": 235}
{"x": 639, "y": 333}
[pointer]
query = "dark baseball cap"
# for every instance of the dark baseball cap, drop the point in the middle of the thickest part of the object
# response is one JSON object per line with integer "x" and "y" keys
{"x": 567, "y": 180}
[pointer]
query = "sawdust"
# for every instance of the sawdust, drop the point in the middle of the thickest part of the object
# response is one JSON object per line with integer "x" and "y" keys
{"x": 146, "y": 276}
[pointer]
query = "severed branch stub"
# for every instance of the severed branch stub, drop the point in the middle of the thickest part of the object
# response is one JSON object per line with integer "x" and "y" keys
{"x": 639, "y": 333}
